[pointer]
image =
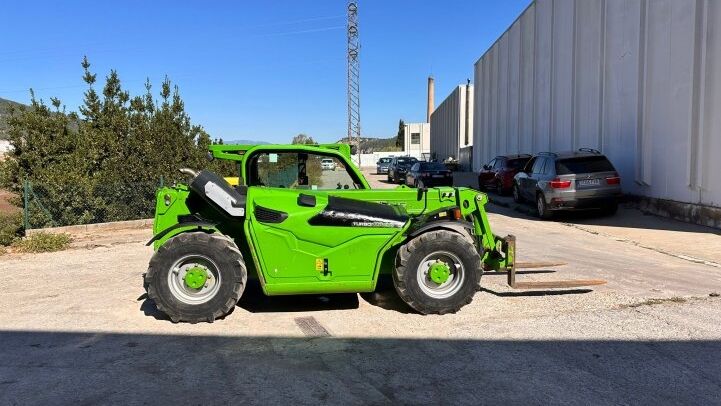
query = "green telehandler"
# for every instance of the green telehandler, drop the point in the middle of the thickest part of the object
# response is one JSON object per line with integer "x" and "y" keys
{"x": 302, "y": 228}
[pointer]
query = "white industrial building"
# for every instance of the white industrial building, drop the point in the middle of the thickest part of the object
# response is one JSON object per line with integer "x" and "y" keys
{"x": 639, "y": 80}
{"x": 416, "y": 139}
{"x": 452, "y": 127}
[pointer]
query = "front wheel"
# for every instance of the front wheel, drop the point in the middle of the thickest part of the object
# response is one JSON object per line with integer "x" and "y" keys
{"x": 437, "y": 272}
{"x": 196, "y": 277}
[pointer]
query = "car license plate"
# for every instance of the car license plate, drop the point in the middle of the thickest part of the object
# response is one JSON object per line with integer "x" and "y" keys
{"x": 589, "y": 182}
{"x": 437, "y": 176}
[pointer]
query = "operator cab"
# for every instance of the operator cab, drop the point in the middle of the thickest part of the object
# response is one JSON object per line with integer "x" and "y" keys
{"x": 300, "y": 170}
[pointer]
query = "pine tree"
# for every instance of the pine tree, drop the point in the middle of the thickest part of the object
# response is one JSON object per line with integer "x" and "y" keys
{"x": 104, "y": 164}
{"x": 400, "y": 141}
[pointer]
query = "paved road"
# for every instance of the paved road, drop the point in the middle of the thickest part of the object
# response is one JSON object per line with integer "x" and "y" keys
{"x": 76, "y": 329}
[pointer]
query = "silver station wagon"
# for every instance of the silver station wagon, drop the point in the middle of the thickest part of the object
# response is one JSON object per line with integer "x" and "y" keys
{"x": 583, "y": 179}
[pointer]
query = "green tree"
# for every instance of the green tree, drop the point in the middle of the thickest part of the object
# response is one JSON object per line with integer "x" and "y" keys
{"x": 104, "y": 163}
{"x": 400, "y": 142}
{"x": 303, "y": 139}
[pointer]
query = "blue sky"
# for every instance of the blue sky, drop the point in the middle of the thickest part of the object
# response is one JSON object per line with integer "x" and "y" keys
{"x": 262, "y": 70}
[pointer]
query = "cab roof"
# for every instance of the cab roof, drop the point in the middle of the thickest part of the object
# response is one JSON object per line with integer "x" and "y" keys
{"x": 235, "y": 152}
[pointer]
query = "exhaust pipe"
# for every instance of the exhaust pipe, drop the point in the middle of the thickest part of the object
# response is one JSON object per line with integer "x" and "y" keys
{"x": 189, "y": 172}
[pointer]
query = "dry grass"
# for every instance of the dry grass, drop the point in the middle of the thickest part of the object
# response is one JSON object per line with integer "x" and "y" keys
{"x": 42, "y": 242}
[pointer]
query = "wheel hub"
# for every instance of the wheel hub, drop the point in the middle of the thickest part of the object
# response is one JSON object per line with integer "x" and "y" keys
{"x": 196, "y": 277}
{"x": 439, "y": 272}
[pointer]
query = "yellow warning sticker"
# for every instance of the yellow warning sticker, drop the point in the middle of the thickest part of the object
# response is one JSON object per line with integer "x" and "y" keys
{"x": 319, "y": 264}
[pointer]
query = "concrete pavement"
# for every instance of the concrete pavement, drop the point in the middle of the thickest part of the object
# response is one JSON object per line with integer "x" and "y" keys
{"x": 76, "y": 328}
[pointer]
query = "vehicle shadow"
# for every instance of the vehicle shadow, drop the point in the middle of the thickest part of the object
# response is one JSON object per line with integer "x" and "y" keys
{"x": 255, "y": 301}
{"x": 628, "y": 216}
{"x": 536, "y": 293}
{"x": 387, "y": 182}
{"x": 386, "y": 297}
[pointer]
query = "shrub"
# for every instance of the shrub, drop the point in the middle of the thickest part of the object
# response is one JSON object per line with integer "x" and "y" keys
{"x": 42, "y": 242}
{"x": 11, "y": 227}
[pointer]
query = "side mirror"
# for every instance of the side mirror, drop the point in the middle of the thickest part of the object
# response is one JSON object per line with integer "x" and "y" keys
{"x": 486, "y": 167}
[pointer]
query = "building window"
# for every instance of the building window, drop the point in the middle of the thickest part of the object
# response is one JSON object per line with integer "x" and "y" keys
{"x": 415, "y": 138}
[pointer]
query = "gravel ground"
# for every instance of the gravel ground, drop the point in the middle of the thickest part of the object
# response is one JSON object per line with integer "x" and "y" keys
{"x": 77, "y": 329}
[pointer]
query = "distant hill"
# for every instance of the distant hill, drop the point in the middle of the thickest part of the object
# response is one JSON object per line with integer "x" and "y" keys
{"x": 4, "y": 113}
{"x": 370, "y": 144}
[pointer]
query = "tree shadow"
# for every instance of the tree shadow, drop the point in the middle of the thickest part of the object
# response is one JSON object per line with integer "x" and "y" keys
{"x": 117, "y": 368}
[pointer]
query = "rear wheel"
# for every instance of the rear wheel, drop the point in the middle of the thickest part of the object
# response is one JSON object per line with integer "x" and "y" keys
{"x": 517, "y": 194}
{"x": 196, "y": 277}
{"x": 437, "y": 272}
{"x": 499, "y": 188}
{"x": 542, "y": 207}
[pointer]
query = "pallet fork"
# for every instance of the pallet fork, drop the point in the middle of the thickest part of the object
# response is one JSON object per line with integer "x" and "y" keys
{"x": 508, "y": 248}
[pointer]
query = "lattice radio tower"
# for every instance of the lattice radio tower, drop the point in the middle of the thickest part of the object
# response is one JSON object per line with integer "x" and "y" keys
{"x": 354, "y": 126}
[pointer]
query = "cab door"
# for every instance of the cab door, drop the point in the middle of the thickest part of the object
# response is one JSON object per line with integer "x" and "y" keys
{"x": 307, "y": 241}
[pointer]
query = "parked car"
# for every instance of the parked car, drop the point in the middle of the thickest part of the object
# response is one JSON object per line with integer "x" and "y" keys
{"x": 327, "y": 164}
{"x": 382, "y": 165}
{"x": 398, "y": 167}
{"x": 429, "y": 174}
{"x": 498, "y": 174}
{"x": 583, "y": 179}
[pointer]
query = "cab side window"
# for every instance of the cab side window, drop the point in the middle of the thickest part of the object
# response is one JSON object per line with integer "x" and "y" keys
{"x": 299, "y": 170}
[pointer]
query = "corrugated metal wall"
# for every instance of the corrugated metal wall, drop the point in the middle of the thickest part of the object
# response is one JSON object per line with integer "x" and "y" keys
{"x": 638, "y": 79}
{"x": 448, "y": 125}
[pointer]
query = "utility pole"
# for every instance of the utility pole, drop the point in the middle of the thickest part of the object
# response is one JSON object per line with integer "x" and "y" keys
{"x": 354, "y": 126}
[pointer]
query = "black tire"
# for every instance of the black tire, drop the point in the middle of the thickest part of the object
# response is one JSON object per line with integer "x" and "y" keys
{"x": 222, "y": 251}
{"x": 408, "y": 264}
{"x": 517, "y": 194}
{"x": 390, "y": 180}
{"x": 542, "y": 207}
